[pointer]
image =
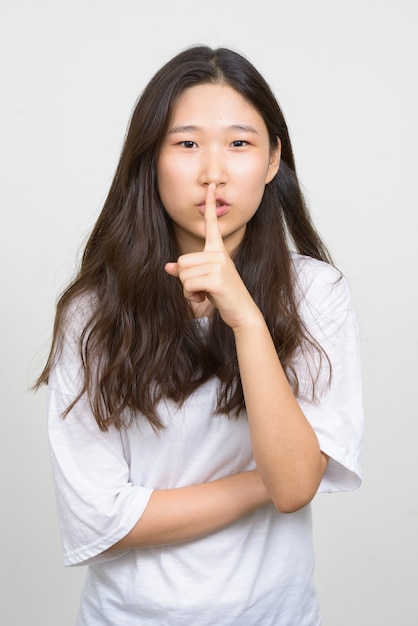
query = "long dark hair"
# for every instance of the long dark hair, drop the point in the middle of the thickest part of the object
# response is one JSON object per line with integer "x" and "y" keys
{"x": 140, "y": 343}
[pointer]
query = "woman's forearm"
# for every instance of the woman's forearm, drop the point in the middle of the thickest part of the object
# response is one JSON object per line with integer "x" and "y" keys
{"x": 178, "y": 515}
{"x": 285, "y": 447}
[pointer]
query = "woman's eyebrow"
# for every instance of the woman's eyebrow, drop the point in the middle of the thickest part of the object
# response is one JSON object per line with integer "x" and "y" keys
{"x": 187, "y": 128}
{"x": 245, "y": 127}
{"x": 184, "y": 129}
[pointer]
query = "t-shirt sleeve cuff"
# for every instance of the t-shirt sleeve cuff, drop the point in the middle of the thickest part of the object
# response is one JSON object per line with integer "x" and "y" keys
{"x": 98, "y": 551}
{"x": 343, "y": 473}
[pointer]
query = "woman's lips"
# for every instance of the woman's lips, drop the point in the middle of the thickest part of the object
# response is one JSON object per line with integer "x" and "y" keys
{"x": 222, "y": 207}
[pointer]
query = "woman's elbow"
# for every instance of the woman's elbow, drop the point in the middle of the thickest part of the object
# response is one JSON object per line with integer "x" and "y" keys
{"x": 290, "y": 504}
{"x": 297, "y": 496}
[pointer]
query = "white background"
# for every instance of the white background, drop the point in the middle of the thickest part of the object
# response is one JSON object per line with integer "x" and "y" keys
{"x": 346, "y": 76}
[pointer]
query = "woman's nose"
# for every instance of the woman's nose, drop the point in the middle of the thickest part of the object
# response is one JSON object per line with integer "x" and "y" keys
{"x": 213, "y": 168}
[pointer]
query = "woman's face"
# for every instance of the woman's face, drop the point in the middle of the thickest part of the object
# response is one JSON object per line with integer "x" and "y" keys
{"x": 214, "y": 136}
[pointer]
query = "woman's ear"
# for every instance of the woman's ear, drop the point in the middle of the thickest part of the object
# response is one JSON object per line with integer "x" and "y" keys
{"x": 274, "y": 162}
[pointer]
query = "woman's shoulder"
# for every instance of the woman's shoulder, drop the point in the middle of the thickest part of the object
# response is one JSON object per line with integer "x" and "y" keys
{"x": 308, "y": 268}
{"x": 320, "y": 283}
{"x": 76, "y": 317}
{"x": 78, "y": 312}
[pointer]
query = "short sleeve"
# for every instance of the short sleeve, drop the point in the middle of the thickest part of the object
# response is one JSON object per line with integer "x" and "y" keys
{"x": 97, "y": 502}
{"x": 336, "y": 414}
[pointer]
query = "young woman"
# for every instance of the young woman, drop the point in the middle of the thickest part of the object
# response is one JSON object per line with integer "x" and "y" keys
{"x": 204, "y": 376}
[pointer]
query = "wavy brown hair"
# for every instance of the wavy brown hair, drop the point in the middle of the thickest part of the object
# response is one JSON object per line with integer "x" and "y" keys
{"x": 141, "y": 343}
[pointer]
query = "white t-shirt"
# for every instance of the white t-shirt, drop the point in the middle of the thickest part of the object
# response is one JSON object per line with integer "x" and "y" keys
{"x": 258, "y": 570}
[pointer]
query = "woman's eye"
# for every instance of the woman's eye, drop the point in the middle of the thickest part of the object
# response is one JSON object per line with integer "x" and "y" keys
{"x": 239, "y": 143}
{"x": 188, "y": 144}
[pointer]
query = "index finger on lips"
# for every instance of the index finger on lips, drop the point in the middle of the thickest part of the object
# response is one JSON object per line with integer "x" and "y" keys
{"x": 213, "y": 237}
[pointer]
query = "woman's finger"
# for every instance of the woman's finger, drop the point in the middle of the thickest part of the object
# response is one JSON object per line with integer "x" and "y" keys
{"x": 172, "y": 269}
{"x": 213, "y": 237}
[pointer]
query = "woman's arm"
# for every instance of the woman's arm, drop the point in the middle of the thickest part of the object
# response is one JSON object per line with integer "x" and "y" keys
{"x": 178, "y": 515}
{"x": 285, "y": 446}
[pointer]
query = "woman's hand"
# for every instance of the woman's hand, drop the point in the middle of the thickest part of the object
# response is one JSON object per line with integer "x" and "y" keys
{"x": 212, "y": 273}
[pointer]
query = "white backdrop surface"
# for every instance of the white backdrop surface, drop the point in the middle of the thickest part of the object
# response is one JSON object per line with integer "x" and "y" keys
{"x": 346, "y": 76}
